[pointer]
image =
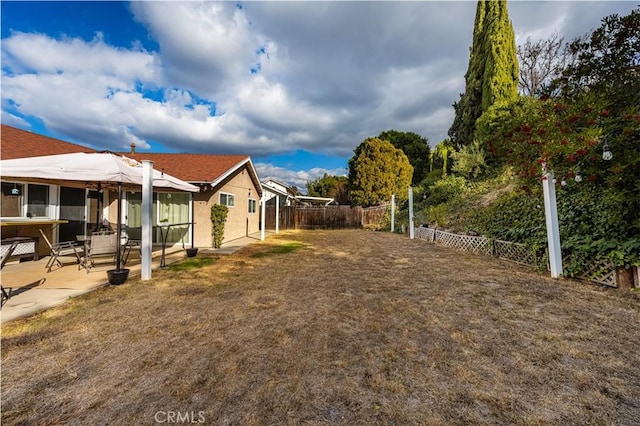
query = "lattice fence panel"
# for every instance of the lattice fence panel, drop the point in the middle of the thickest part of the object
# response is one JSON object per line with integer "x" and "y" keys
{"x": 428, "y": 234}
{"x": 515, "y": 252}
{"x": 480, "y": 245}
{"x": 600, "y": 272}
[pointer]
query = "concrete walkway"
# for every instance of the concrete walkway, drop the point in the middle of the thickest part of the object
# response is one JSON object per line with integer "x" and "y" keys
{"x": 32, "y": 289}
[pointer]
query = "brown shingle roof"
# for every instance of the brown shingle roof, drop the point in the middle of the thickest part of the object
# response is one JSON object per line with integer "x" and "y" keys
{"x": 191, "y": 167}
{"x": 18, "y": 143}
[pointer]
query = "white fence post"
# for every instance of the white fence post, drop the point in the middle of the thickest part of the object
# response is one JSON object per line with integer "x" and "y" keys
{"x": 277, "y": 214}
{"x": 393, "y": 212}
{"x": 147, "y": 217}
{"x": 411, "y": 226}
{"x": 553, "y": 233}
{"x": 263, "y": 205}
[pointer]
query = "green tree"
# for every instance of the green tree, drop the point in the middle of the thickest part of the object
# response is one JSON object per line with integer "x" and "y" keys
{"x": 331, "y": 187}
{"x": 441, "y": 156}
{"x": 376, "y": 171}
{"x": 469, "y": 161}
{"x": 415, "y": 147}
{"x": 492, "y": 74}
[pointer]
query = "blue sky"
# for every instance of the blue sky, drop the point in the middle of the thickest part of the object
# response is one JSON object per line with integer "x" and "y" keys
{"x": 295, "y": 85}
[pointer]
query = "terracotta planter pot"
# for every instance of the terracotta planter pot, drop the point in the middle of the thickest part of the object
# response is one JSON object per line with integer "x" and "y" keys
{"x": 117, "y": 276}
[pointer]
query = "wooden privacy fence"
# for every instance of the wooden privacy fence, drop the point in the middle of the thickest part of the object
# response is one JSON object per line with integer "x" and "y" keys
{"x": 323, "y": 217}
{"x": 599, "y": 272}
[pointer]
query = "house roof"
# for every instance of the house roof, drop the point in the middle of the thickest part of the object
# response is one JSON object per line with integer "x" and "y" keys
{"x": 18, "y": 143}
{"x": 199, "y": 168}
{"x": 203, "y": 168}
{"x": 195, "y": 168}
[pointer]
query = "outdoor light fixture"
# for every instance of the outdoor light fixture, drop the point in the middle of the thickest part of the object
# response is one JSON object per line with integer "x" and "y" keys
{"x": 578, "y": 177}
{"x": 606, "y": 152}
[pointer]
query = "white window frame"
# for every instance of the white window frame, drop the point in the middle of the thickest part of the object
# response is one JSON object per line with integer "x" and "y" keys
{"x": 252, "y": 202}
{"x": 51, "y": 206}
{"x": 227, "y": 195}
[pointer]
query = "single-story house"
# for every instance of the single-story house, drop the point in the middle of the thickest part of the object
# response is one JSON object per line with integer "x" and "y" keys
{"x": 273, "y": 188}
{"x": 224, "y": 179}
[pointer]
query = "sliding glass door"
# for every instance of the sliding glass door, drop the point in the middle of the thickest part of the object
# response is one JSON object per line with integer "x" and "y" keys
{"x": 72, "y": 208}
{"x": 168, "y": 208}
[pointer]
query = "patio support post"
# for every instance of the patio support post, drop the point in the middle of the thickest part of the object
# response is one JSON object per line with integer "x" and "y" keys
{"x": 262, "y": 216}
{"x": 119, "y": 230}
{"x": 411, "y": 226}
{"x": 393, "y": 212}
{"x": 277, "y": 214}
{"x": 147, "y": 215}
{"x": 553, "y": 233}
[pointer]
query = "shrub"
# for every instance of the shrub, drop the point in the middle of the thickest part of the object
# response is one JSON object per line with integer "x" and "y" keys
{"x": 218, "y": 218}
{"x": 446, "y": 189}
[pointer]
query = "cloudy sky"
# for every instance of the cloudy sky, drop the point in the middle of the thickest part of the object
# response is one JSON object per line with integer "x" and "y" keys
{"x": 295, "y": 85}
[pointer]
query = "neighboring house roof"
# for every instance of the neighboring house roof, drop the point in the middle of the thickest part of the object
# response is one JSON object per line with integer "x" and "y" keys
{"x": 268, "y": 186}
{"x": 18, "y": 143}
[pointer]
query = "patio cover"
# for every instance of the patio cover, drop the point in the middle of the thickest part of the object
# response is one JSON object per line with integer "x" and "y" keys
{"x": 86, "y": 170}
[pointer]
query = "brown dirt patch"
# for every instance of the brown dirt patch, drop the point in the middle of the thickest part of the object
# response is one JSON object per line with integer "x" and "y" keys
{"x": 352, "y": 327}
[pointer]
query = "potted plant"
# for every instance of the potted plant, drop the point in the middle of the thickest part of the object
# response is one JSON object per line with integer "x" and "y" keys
{"x": 117, "y": 276}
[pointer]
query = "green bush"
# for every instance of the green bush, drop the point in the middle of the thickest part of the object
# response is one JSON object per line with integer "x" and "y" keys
{"x": 218, "y": 218}
{"x": 446, "y": 189}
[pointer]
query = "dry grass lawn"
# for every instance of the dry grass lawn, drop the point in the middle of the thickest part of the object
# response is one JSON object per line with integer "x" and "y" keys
{"x": 331, "y": 327}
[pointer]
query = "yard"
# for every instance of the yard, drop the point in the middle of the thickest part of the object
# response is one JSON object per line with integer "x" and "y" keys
{"x": 331, "y": 327}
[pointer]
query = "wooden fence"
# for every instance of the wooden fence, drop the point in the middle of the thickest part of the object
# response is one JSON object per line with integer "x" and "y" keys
{"x": 323, "y": 217}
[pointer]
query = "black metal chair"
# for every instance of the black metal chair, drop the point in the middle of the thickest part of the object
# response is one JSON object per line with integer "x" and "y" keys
{"x": 66, "y": 248}
{"x": 5, "y": 257}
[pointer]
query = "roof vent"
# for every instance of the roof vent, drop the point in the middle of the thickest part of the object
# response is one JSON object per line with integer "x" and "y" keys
{"x": 133, "y": 148}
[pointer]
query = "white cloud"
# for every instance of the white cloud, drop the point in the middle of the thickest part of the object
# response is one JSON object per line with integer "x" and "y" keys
{"x": 326, "y": 74}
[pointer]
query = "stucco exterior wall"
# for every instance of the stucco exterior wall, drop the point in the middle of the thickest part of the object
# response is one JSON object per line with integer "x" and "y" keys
{"x": 239, "y": 221}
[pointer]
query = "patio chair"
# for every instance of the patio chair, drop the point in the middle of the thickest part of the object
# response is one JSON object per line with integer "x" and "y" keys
{"x": 100, "y": 245}
{"x": 58, "y": 250}
{"x": 5, "y": 257}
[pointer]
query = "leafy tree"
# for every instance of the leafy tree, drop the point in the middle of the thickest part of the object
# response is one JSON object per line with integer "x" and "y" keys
{"x": 441, "y": 155}
{"x": 492, "y": 74}
{"x": 330, "y": 186}
{"x": 376, "y": 171}
{"x": 415, "y": 147}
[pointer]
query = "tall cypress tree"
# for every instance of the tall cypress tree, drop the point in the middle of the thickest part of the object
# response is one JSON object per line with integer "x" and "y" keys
{"x": 492, "y": 74}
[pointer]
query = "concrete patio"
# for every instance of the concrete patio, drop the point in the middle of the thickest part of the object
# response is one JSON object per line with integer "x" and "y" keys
{"x": 32, "y": 289}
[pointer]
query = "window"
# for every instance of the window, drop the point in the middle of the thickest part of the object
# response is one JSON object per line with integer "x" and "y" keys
{"x": 12, "y": 199}
{"x": 20, "y": 198}
{"x": 37, "y": 201}
{"x": 227, "y": 199}
{"x": 252, "y": 205}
